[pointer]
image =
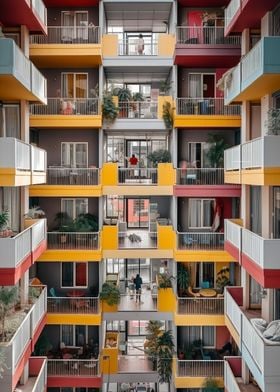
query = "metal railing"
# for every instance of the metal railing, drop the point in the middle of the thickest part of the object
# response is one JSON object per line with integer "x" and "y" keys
{"x": 131, "y": 240}
{"x": 75, "y": 305}
{"x": 68, "y": 240}
{"x": 138, "y": 109}
{"x": 231, "y": 10}
{"x": 40, "y": 10}
{"x": 232, "y": 159}
{"x": 200, "y": 368}
{"x": 67, "y": 106}
{"x": 68, "y": 35}
{"x": 138, "y": 175}
{"x": 203, "y": 176}
{"x": 205, "y": 35}
{"x": 200, "y": 305}
{"x": 72, "y": 176}
{"x": 73, "y": 367}
{"x": 200, "y": 241}
{"x": 130, "y": 48}
{"x": 206, "y": 106}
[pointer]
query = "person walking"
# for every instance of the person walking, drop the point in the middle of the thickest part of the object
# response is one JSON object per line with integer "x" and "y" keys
{"x": 138, "y": 283}
{"x": 140, "y": 44}
{"x": 131, "y": 287}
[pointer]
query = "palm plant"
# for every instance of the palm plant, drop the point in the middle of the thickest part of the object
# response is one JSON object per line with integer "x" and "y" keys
{"x": 109, "y": 110}
{"x": 215, "y": 153}
{"x": 154, "y": 330}
{"x": 165, "y": 281}
{"x": 8, "y": 299}
{"x": 183, "y": 279}
{"x": 168, "y": 115}
{"x": 165, "y": 350}
{"x": 110, "y": 293}
{"x": 211, "y": 385}
{"x": 223, "y": 279}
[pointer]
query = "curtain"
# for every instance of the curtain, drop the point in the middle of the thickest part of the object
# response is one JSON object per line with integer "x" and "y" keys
{"x": 81, "y": 274}
{"x": 67, "y": 207}
{"x": 208, "y": 336}
{"x": 255, "y": 209}
{"x": 207, "y": 212}
{"x": 67, "y": 19}
{"x": 67, "y": 335}
{"x": 194, "y": 213}
{"x": 81, "y": 85}
{"x": 67, "y": 85}
{"x": 195, "y": 86}
{"x": 81, "y": 19}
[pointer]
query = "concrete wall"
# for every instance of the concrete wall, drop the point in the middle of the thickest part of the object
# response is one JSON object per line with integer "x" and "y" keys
{"x": 50, "y": 140}
{"x": 54, "y": 15}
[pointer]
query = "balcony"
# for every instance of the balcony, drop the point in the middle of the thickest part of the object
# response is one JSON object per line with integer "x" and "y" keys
{"x": 67, "y": 46}
{"x": 233, "y": 312}
{"x": 37, "y": 380}
{"x": 232, "y": 377}
{"x": 192, "y": 374}
{"x": 198, "y": 246}
{"x": 21, "y": 163}
{"x": 210, "y": 112}
{"x": 242, "y": 14}
{"x": 82, "y": 310}
{"x": 66, "y": 112}
{"x": 17, "y": 350}
{"x": 66, "y": 182}
{"x": 194, "y": 44}
{"x": 255, "y": 162}
{"x": 142, "y": 181}
{"x": 18, "y": 253}
{"x": 259, "y": 72}
{"x": 19, "y": 79}
{"x": 233, "y": 237}
{"x": 74, "y": 372}
{"x": 32, "y": 14}
{"x": 69, "y": 246}
{"x": 200, "y": 311}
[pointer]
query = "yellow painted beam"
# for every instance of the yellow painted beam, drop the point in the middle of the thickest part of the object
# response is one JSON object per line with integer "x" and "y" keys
{"x": 197, "y": 121}
{"x": 65, "y": 191}
{"x": 14, "y": 177}
{"x": 66, "y": 121}
{"x": 73, "y": 319}
{"x": 109, "y": 174}
{"x": 194, "y": 382}
{"x": 199, "y": 319}
{"x": 203, "y": 255}
{"x": 55, "y": 255}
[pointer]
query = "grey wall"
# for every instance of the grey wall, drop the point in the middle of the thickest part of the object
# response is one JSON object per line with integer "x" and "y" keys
{"x": 54, "y": 15}
{"x": 164, "y": 203}
{"x": 50, "y": 275}
{"x": 50, "y": 140}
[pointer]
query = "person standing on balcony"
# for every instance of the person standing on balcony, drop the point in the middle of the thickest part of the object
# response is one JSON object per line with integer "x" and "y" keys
{"x": 140, "y": 44}
{"x": 133, "y": 162}
{"x": 138, "y": 283}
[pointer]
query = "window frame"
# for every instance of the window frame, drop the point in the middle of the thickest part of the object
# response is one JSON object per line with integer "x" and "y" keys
{"x": 201, "y": 212}
{"x": 74, "y": 83}
{"x": 73, "y": 333}
{"x": 68, "y": 144}
{"x": 74, "y": 216}
{"x": 74, "y": 265}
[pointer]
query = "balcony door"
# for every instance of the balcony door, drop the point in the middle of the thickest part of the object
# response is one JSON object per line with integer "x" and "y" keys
{"x": 74, "y": 85}
{"x": 74, "y": 26}
{"x": 74, "y": 154}
{"x": 201, "y": 85}
{"x": 137, "y": 213}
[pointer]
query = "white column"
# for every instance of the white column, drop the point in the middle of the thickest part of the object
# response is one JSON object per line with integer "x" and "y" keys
{"x": 245, "y": 41}
{"x": 25, "y": 374}
{"x": 24, "y": 288}
{"x": 267, "y": 25}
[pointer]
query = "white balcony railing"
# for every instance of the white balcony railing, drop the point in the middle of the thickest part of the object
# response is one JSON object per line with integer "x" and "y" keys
{"x": 85, "y": 305}
{"x": 205, "y": 35}
{"x": 200, "y": 305}
{"x": 72, "y": 241}
{"x": 39, "y": 309}
{"x": 200, "y": 241}
{"x": 252, "y": 153}
{"x": 38, "y": 83}
{"x": 203, "y": 176}
{"x": 229, "y": 379}
{"x": 68, "y": 35}
{"x": 231, "y": 10}
{"x": 130, "y": 48}
{"x": 40, "y": 10}
{"x": 233, "y": 233}
{"x": 138, "y": 109}
{"x": 41, "y": 381}
{"x": 73, "y": 367}
{"x": 73, "y": 176}
{"x": 233, "y": 311}
{"x": 141, "y": 175}
{"x": 21, "y": 65}
{"x": 206, "y": 106}
{"x": 67, "y": 106}
{"x": 200, "y": 368}
{"x": 15, "y": 154}
{"x": 232, "y": 158}
{"x": 232, "y": 84}
{"x": 38, "y": 159}
{"x": 251, "y": 63}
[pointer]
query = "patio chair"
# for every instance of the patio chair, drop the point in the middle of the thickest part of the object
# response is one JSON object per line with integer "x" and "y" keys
{"x": 205, "y": 285}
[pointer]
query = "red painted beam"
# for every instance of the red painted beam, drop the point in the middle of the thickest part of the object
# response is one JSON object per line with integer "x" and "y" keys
{"x": 268, "y": 278}
{"x": 74, "y": 381}
{"x": 207, "y": 190}
{"x": 71, "y": 3}
{"x": 232, "y": 250}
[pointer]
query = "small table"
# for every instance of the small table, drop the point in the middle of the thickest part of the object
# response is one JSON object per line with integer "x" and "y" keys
{"x": 208, "y": 292}
{"x": 76, "y": 293}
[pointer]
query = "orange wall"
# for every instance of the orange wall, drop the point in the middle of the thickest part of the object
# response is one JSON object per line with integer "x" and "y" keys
{"x": 222, "y": 337}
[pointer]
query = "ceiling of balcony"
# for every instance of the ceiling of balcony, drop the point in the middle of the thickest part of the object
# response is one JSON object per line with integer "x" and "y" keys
{"x": 136, "y": 74}
{"x": 141, "y": 17}
{"x": 70, "y": 3}
{"x": 204, "y": 3}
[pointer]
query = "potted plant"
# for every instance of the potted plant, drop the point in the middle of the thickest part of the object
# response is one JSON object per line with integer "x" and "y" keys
{"x": 164, "y": 281}
{"x": 154, "y": 330}
{"x": 109, "y": 110}
{"x": 64, "y": 224}
{"x": 164, "y": 351}
{"x": 183, "y": 279}
{"x": 4, "y": 219}
{"x": 222, "y": 279}
{"x": 137, "y": 98}
{"x": 168, "y": 115}
{"x": 215, "y": 153}
{"x": 124, "y": 95}
{"x": 159, "y": 156}
{"x": 164, "y": 87}
{"x": 85, "y": 223}
{"x": 8, "y": 299}
{"x": 110, "y": 297}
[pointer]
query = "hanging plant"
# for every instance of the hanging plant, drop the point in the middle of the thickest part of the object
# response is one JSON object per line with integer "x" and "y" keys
{"x": 109, "y": 110}
{"x": 167, "y": 115}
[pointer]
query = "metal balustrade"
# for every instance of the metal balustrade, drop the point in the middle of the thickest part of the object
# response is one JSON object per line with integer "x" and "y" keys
{"x": 67, "y": 106}
{"x": 68, "y": 35}
{"x": 73, "y": 240}
{"x": 232, "y": 158}
{"x": 73, "y": 367}
{"x": 138, "y": 109}
{"x": 130, "y": 48}
{"x": 205, "y": 35}
{"x": 200, "y": 368}
{"x": 200, "y": 241}
{"x": 231, "y": 10}
{"x": 87, "y": 305}
{"x": 203, "y": 176}
{"x": 200, "y": 305}
{"x": 206, "y": 106}
{"x": 138, "y": 175}
{"x": 233, "y": 233}
{"x": 73, "y": 176}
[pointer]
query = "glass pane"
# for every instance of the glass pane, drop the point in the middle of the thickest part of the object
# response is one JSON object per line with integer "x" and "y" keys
{"x": 81, "y": 155}
{"x": 208, "y": 207}
{"x": 67, "y": 335}
{"x": 138, "y": 213}
{"x": 81, "y": 274}
{"x": 67, "y": 206}
{"x": 208, "y": 336}
{"x": 80, "y": 335}
{"x": 67, "y": 275}
{"x": 194, "y": 213}
{"x": 81, "y": 206}
{"x": 68, "y": 85}
{"x": 12, "y": 121}
{"x": 81, "y": 86}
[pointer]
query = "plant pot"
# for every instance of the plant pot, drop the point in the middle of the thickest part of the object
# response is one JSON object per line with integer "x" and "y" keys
{"x": 108, "y": 308}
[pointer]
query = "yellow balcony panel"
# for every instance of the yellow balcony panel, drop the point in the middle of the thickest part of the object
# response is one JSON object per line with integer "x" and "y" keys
{"x": 66, "y": 55}
{"x": 110, "y": 351}
{"x": 166, "y": 45}
{"x": 66, "y": 121}
{"x": 232, "y": 177}
{"x": 264, "y": 176}
{"x": 73, "y": 319}
{"x": 65, "y": 191}
{"x": 138, "y": 252}
{"x": 199, "y": 319}
{"x": 108, "y": 308}
{"x": 233, "y": 331}
{"x": 198, "y": 121}
{"x": 203, "y": 256}
{"x": 55, "y": 255}
{"x": 195, "y": 382}
{"x": 166, "y": 301}
{"x": 137, "y": 190}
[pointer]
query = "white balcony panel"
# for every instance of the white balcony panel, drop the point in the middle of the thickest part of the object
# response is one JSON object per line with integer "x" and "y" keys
{"x": 231, "y": 10}
{"x": 230, "y": 382}
{"x": 233, "y": 311}
{"x": 233, "y": 233}
{"x": 15, "y": 154}
{"x": 232, "y": 158}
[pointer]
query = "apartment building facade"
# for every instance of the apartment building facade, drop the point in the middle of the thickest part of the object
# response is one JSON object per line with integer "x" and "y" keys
{"x": 82, "y": 212}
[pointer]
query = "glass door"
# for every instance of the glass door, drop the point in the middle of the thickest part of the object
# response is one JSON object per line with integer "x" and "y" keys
{"x": 138, "y": 266}
{"x": 141, "y": 149}
{"x": 276, "y": 212}
{"x": 137, "y": 213}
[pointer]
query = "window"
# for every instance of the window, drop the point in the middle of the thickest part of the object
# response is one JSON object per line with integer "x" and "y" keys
{"x": 74, "y": 85}
{"x": 197, "y": 154}
{"x": 74, "y": 207}
{"x": 205, "y": 272}
{"x": 115, "y": 266}
{"x": 115, "y": 326}
{"x": 11, "y": 121}
{"x": 201, "y": 213}
{"x": 74, "y": 335}
{"x": 74, "y": 274}
{"x": 74, "y": 154}
{"x": 201, "y": 85}
{"x": 206, "y": 334}
{"x": 115, "y": 207}
{"x": 75, "y": 25}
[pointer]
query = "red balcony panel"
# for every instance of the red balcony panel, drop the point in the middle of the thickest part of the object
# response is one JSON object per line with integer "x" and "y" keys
{"x": 197, "y": 55}
{"x": 10, "y": 276}
{"x": 39, "y": 330}
{"x": 19, "y": 12}
{"x": 237, "y": 294}
{"x": 207, "y": 190}
{"x": 74, "y": 381}
{"x": 250, "y": 15}
{"x": 203, "y": 3}
{"x": 268, "y": 278}
{"x": 232, "y": 250}
{"x": 235, "y": 364}
{"x": 71, "y": 3}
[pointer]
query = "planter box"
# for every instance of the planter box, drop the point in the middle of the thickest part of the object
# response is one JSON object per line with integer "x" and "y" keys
{"x": 109, "y": 363}
{"x": 166, "y": 300}
{"x": 108, "y": 308}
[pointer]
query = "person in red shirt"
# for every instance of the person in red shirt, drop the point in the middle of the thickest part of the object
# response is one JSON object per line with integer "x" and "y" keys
{"x": 133, "y": 160}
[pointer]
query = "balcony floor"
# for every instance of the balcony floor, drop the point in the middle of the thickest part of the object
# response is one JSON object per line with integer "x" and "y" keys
{"x": 130, "y": 364}
{"x": 148, "y": 302}
{"x": 146, "y": 240}
{"x": 247, "y": 387}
